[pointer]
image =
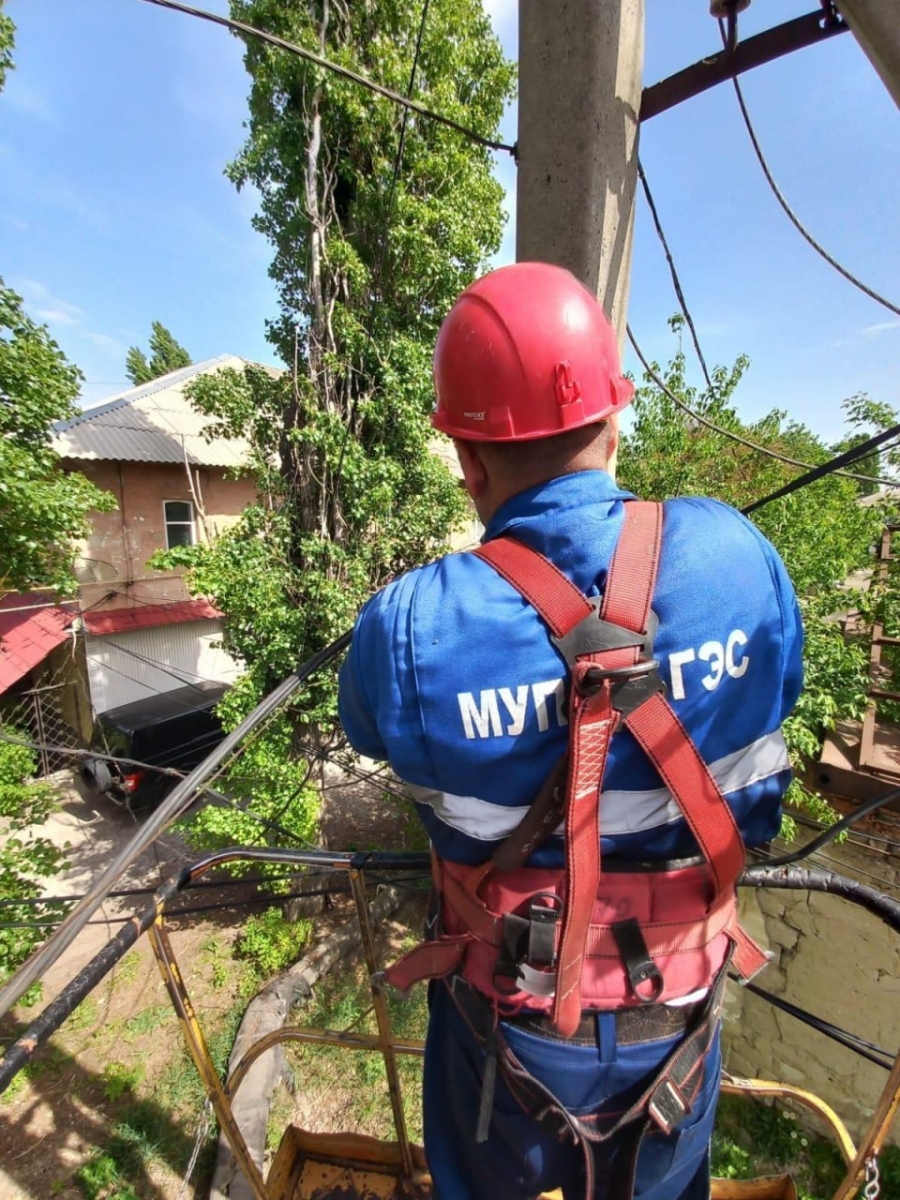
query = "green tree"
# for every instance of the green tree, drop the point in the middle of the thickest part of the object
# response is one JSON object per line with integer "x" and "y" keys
{"x": 7, "y": 43}
{"x": 366, "y": 267}
{"x": 43, "y": 509}
{"x": 27, "y": 857}
{"x": 165, "y": 355}
{"x": 822, "y": 532}
{"x": 866, "y": 417}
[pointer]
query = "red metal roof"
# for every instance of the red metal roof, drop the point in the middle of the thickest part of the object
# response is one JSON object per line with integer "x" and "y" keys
{"x": 30, "y": 627}
{"x": 148, "y": 616}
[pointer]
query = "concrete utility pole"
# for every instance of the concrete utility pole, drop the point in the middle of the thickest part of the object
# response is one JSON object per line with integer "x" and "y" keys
{"x": 580, "y": 72}
{"x": 876, "y": 26}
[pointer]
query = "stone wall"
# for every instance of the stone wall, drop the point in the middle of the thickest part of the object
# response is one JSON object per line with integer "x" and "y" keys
{"x": 835, "y": 960}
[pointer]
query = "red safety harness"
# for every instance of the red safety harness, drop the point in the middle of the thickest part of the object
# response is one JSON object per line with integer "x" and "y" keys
{"x": 584, "y": 937}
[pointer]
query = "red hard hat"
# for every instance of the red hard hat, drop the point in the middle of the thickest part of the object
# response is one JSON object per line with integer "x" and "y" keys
{"x": 526, "y": 352}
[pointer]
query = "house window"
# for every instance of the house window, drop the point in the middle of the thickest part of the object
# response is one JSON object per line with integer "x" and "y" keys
{"x": 179, "y": 523}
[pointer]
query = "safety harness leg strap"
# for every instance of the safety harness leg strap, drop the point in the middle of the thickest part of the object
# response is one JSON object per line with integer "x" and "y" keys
{"x": 665, "y": 1101}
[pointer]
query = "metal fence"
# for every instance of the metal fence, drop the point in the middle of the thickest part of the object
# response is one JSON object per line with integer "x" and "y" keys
{"x": 46, "y": 715}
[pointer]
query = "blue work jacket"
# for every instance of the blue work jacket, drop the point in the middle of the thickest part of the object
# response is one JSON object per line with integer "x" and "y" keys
{"x": 452, "y": 678}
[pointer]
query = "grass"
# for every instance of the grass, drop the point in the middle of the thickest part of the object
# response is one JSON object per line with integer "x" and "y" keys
{"x": 147, "y": 1021}
{"x": 85, "y": 1017}
{"x": 127, "y": 971}
{"x": 348, "y": 1088}
{"x": 219, "y": 959}
{"x": 119, "y": 1078}
{"x": 179, "y": 1088}
{"x": 142, "y": 1142}
{"x": 755, "y": 1137}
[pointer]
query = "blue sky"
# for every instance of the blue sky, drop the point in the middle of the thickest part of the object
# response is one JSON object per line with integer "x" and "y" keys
{"x": 119, "y": 118}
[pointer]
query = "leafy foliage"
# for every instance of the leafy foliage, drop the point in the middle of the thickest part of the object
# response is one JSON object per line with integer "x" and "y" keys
{"x": 165, "y": 355}
{"x": 270, "y": 942}
{"x": 7, "y": 43}
{"x": 26, "y": 857}
{"x": 753, "y": 1138}
{"x": 366, "y": 267}
{"x": 822, "y": 532}
{"x": 42, "y": 508}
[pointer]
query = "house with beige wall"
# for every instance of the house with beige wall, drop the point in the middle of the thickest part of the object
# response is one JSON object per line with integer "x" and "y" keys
{"x": 173, "y": 486}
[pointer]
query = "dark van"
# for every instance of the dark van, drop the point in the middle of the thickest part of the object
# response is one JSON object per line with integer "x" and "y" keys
{"x": 170, "y": 729}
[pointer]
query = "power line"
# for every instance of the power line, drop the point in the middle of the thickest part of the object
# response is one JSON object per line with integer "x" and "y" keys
{"x": 335, "y": 68}
{"x": 789, "y": 212}
{"x": 676, "y": 282}
{"x": 268, "y": 824}
{"x": 861, "y": 1046}
{"x": 156, "y": 664}
{"x": 123, "y": 893}
{"x": 829, "y": 834}
{"x": 736, "y": 437}
{"x": 862, "y": 839}
{"x": 828, "y": 468}
{"x": 269, "y": 901}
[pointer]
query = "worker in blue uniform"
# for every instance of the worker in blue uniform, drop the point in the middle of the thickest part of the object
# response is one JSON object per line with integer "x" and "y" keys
{"x": 453, "y": 679}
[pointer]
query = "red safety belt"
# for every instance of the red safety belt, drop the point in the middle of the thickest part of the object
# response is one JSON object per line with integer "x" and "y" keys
{"x": 594, "y": 717}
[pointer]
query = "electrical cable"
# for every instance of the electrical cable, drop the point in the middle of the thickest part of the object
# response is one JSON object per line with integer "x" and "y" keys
{"x": 57, "y": 604}
{"x": 269, "y": 824}
{"x": 862, "y": 839}
{"x": 150, "y": 662}
{"x": 856, "y": 452}
{"x": 335, "y": 68}
{"x": 74, "y": 613}
{"x": 865, "y": 1049}
{"x": 887, "y": 887}
{"x": 673, "y": 271}
{"x": 789, "y": 212}
{"x": 81, "y": 752}
{"x": 339, "y": 889}
{"x": 869, "y": 806}
{"x": 849, "y": 456}
{"x": 124, "y": 674}
{"x": 194, "y": 885}
{"x": 813, "y": 473}
{"x": 241, "y": 881}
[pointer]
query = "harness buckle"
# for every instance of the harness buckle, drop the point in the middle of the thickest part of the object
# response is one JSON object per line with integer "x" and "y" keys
{"x": 592, "y": 635}
{"x": 630, "y": 685}
{"x": 528, "y": 952}
{"x": 542, "y": 922}
{"x": 637, "y": 960}
{"x": 668, "y": 1106}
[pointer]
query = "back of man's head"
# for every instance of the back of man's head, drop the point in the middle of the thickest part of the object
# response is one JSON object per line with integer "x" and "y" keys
{"x": 536, "y": 460}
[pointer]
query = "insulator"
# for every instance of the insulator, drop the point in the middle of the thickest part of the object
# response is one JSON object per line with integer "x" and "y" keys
{"x": 720, "y": 8}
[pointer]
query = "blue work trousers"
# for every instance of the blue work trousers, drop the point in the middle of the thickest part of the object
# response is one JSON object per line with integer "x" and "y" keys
{"x": 521, "y": 1159}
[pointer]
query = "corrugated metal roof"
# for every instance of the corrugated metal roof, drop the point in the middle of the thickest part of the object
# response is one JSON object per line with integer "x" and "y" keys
{"x": 149, "y": 616}
{"x": 153, "y": 423}
{"x": 30, "y": 628}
